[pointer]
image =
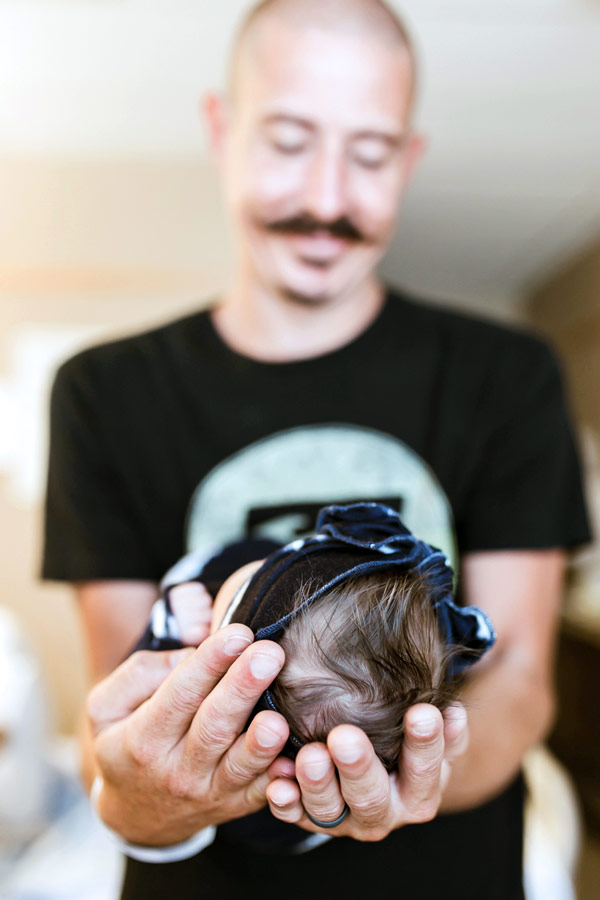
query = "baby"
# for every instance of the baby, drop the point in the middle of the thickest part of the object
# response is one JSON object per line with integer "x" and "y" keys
{"x": 362, "y": 609}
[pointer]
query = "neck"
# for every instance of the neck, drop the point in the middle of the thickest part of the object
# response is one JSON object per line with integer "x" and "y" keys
{"x": 272, "y": 328}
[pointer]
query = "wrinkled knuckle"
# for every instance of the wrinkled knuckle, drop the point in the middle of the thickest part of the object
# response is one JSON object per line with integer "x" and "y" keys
{"x": 239, "y": 692}
{"x": 212, "y": 667}
{"x": 138, "y": 748}
{"x": 254, "y": 796}
{"x": 235, "y": 772}
{"x": 326, "y": 813}
{"x": 184, "y": 700}
{"x": 291, "y": 814}
{"x": 212, "y": 731}
{"x": 426, "y": 769}
{"x": 178, "y": 786}
{"x": 370, "y": 810}
{"x": 141, "y": 660}
{"x": 426, "y": 811}
{"x": 374, "y": 835}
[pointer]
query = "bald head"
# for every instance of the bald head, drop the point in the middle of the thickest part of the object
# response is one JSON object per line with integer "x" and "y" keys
{"x": 370, "y": 20}
{"x": 316, "y": 145}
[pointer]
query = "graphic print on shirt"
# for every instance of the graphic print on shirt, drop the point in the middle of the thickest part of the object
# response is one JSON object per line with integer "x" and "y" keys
{"x": 275, "y": 487}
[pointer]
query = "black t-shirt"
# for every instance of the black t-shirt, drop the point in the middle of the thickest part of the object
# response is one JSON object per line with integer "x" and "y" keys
{"x": 146, "y": 430}
{"x": 169, "y": 441}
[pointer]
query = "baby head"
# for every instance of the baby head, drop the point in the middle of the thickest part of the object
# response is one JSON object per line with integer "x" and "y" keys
{"x": 365, "y": 614}
{"x": 362, "y": 654}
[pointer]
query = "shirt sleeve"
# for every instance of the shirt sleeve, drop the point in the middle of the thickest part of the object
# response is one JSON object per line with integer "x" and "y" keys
{"x": 528, "y": 491}
{"x": 91, "y": 527}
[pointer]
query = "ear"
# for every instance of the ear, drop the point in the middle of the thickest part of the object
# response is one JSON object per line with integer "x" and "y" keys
{"x": 413, "y": 153}
{"x": 214, "y": 109}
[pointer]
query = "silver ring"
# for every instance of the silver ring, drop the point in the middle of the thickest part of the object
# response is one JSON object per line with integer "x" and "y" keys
{"x": 335, "y": 822}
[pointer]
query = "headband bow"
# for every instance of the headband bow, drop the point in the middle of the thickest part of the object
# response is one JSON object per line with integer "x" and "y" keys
{"x": 351, "y": 541}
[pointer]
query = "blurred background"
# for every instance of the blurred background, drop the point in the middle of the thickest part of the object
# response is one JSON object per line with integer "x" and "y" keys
{"x": 111, "y": 220}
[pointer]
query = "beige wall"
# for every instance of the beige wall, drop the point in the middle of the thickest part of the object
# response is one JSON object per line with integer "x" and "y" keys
{"x": 567, "y": 308}
{"x": 87, "y": 249}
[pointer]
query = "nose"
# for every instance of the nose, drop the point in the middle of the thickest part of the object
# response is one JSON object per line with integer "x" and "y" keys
{"x": 325, "y": 194}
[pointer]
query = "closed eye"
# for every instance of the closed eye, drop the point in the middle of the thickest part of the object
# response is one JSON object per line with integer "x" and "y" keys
{"x": 288, "y": 149}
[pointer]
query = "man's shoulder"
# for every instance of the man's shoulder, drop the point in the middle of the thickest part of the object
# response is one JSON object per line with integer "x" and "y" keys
{"x": 474, "y": 333}
{"x": 122, "y": 355}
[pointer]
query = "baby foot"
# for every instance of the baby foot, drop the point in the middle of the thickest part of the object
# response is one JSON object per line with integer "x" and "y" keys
{"x": 191, "y": 605}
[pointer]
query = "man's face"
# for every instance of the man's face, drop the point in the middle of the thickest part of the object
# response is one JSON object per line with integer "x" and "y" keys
{"x": 315, "y": 159}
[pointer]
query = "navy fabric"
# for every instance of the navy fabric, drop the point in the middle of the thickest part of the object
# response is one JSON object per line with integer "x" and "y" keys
{"x": 349, "y": 542}
{"x": 150, "y": 641}
{"x": 216, "y": 570}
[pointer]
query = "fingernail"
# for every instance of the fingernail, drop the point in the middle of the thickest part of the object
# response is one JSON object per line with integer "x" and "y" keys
{"x": 317, "y": 768}
{"x": 284, "y": 796}
{"x": 236, "y": 644}
{"x": 265, "y": 737}
{"x": 347, "y": 753}
{"x": 264, "y": 666}
{"x": 425, "y": 727}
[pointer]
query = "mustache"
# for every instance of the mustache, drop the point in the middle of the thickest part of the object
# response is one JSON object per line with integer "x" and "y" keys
{"x": 303, "y": 223}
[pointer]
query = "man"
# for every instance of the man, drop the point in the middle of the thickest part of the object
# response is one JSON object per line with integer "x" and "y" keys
{"x": 308, "y": 384}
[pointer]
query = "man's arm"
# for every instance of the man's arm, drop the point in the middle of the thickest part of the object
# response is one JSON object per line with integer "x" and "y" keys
{"x": 114, "y": 615}
{"x": 509, "y": 699}
{"x": 510, "y": 695}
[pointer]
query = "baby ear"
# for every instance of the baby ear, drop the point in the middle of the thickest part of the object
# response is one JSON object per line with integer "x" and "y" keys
{"x": 191, "y": 604}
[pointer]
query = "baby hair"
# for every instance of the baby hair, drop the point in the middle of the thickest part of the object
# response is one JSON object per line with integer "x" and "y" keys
{"x": 362, "y": 654}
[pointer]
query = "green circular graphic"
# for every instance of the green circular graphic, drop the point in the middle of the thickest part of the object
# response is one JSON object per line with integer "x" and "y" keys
{"x": 274, "y": 487}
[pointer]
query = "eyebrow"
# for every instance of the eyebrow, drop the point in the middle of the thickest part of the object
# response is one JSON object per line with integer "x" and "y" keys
{"x": 393, "y": 139}
{"x": 286, "y": 118}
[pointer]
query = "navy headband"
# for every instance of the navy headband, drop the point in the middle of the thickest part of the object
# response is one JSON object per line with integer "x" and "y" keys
{"x": 349, "y": 542}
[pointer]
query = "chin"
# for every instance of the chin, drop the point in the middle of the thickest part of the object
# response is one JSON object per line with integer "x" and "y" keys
{"x": 320, "y": 288}
{"x": 302, "y": 298}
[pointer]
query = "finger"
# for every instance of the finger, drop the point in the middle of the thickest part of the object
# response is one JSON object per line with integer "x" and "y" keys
{"x": 253, "y": 752}
{"x": 315, "y": 773}
{"x": 130, "y": 685}
{"x": 256, "y": 792}
{"x": 282, "y": 768}
{"x": 284, "y": 799}
{"x": 169, "y": 714}
{"x": 421, "y": 761}
{"x": 223, "y": 716}
{"x": 191, "y": 605}
{"x": 364, "y": 782}
{"x": 445, "y": 774}
{"x": 456, "y": 731}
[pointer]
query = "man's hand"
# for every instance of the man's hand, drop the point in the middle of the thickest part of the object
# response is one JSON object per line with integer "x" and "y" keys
{"x": 167, "y": 731}
{"x": 379, "y": 802}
